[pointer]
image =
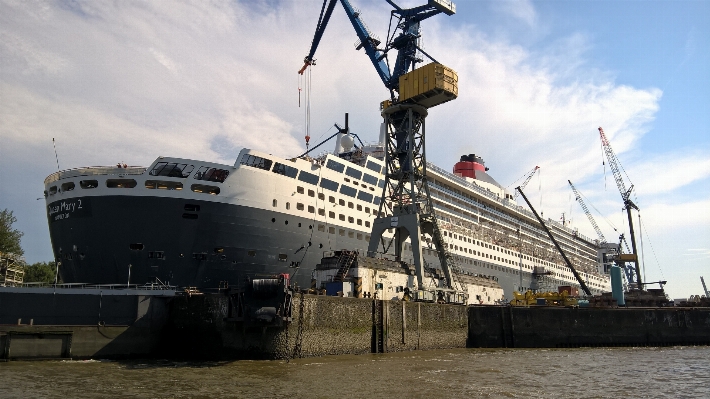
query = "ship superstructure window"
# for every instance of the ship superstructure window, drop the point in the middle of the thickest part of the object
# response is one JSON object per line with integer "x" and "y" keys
{"x": 172, "y": 169}
{"x": 376, "y": 200}
{"x": 331, "y": 215}
{"x": 329, "y": 185}
{"x": 212, "y": 174}
{"x": 349, "y": 191}
{"x": 308, "y": 177}
{"x": 256, "y": 162}
{"x": 288, "y": 171}
{"x": 163, "y": 185}
{"x": 300, "y": 190}
{"x": 203, "y": 188}
{"x": 299, "y": 206}
{"x": 311, "y": 209}
{"x": 274, "y": 203}
{"x": 381, "y": 184}
{"x": 354, "y": 173}
{"x": 373, "y": 166}
{"x": 311, "y": 193}
{"x": 351, "y": 205}
{"x": 363, "y": 196}
{"x": 88, "y": 183}
{"x": 331, "y": 199}
{"x": 120, "y": 183}
{"x": 369, "y": 179}
{"x": 68, "y": 186}
{"x": 336, "y": 166}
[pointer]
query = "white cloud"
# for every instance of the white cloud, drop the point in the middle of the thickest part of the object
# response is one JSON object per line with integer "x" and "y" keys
{"x": 132, "y": 81}
{"x": 522, "y": 10}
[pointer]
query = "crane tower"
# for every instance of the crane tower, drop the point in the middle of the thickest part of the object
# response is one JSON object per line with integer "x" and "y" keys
{"x": 406, "y": 206}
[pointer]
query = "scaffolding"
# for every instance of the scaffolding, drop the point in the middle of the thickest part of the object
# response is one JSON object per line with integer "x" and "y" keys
{"x": 12, "y": 270}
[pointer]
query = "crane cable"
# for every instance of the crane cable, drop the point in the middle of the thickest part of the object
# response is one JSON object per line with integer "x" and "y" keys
{"x": 643, "y": 226}
{"x": 304, "y": 84}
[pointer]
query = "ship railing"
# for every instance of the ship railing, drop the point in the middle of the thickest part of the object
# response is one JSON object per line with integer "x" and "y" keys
{"x": 148, "y": 287}
{"x": 518, "y": 208}
{"x": 94, "y": 171}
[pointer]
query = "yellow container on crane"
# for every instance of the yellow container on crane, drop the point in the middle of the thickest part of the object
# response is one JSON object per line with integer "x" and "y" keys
{"x": 429, "y": 85}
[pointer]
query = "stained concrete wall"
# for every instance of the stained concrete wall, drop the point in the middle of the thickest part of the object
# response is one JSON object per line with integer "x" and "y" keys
{"x": 321, "y": 325}
{"x": 549, "y": 327}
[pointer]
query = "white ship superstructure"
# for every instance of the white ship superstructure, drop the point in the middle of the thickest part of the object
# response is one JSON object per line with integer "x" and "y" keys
{"x": 202, "y": 224}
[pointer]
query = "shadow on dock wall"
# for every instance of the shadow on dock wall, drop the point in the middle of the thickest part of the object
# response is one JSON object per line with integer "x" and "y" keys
{"x": 80, "y": 326}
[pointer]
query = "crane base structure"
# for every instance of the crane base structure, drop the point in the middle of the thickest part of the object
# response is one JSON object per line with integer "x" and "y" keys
{"x": 406, "y": 207}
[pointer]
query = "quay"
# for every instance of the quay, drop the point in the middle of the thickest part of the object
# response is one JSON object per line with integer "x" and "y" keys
{"x": 38, "y": 323}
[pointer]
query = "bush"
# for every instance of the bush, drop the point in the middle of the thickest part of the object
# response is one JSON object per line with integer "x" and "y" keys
{"x": 40, "y": 272}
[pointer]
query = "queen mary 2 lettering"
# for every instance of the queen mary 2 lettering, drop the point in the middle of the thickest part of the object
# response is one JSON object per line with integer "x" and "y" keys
{"x": 199, "y": 224}
{"x": 71, "y": 208}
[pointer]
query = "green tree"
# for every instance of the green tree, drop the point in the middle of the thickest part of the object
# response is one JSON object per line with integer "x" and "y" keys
{"x": 40, "y": 272}
{"x": 9, "y": 237}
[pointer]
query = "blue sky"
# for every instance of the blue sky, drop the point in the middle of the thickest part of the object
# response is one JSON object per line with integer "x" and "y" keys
{"x": 130, "y": 81}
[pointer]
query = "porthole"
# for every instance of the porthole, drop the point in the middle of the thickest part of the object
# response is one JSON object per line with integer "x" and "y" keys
{"x": 251, "y": 253}
{"x": 273, "y": 220}
{"x": 286, "y": 222}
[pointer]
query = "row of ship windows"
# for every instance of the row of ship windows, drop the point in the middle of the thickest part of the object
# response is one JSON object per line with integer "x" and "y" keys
{"x": 130, "y": 183}
{"x": 507, "y": 252}
{"x": 331, "y": 199}
{"x": 310, "y": 178}
{"x": 505, "y": 224}
{"x": 173, "y": 169}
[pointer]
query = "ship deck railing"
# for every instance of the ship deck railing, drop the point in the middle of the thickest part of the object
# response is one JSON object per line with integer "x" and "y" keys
{"x": 95, "y": 171}
{"x": 149, "y": 287}
{"x": 490, "y": 195}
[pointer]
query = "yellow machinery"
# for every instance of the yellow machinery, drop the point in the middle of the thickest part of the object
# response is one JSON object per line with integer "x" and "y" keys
{"x": 429, "y": 85}
{"x": 530, "y": 298}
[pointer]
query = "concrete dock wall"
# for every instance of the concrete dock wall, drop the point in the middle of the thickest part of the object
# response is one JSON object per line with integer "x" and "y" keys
{"x": 321, "y": 325}
{"x": 551, "y": 327}
{"x": 80, "y": 325}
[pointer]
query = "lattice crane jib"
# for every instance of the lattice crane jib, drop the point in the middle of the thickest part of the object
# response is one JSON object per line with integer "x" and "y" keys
{"x": 615, "y": 167}
{"x": 578, "y": 198}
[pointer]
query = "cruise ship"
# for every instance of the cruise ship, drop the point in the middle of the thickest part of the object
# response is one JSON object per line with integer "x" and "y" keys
{"x": 191, "y": 223}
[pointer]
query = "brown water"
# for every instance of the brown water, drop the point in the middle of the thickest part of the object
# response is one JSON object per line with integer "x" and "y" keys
{"x": 678, "y": 372}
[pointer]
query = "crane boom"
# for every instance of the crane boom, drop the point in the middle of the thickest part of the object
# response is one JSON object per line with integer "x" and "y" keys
{"x": 527, "y": 180}
{"x": 559, "y": 249}
{"x": 707, "y": 294}
{"x": 614, "y": 165}
{"x": 406, "y": 42}
{"x": 578, "y": 197}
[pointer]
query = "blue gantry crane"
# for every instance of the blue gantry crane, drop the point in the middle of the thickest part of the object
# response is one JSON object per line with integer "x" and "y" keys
{"x": 404, "y": 38}
{"x": 406, "y": 204}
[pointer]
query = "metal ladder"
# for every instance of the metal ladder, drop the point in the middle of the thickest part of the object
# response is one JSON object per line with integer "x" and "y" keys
{"x": 346, "y": 260}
